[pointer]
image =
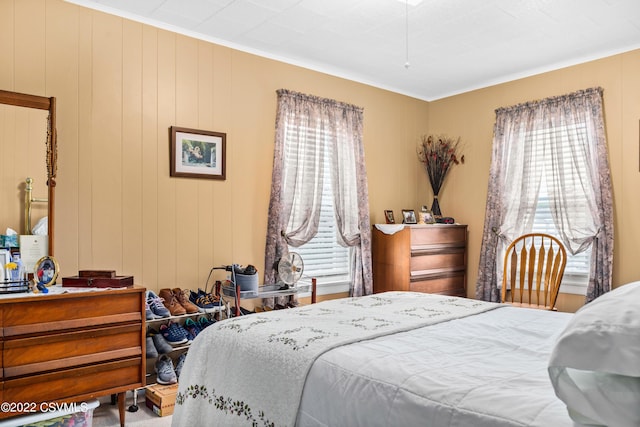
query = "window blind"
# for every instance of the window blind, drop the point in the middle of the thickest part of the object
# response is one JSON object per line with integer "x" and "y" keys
{"x": 323, "y": 257}
{"x": 576, "y": 275}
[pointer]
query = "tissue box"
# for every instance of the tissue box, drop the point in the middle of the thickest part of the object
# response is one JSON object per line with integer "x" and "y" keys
{"x": 10, "y": 241}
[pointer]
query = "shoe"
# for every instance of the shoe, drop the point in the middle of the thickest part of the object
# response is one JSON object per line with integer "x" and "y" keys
{"x": 165, "y": 371}
{"x": 151, "y": 351}
{"x": 161, "y": 344}
{"x": 156, "y": 306}
{"x": 173, "y": 335}
{"x": 190, "y": 332}
{"x": 180, "y": 330}
{"x": 213, "y": 299}
{"x": 184, "y": 300}
{"x": 190, "y": 336}
{"x": 205, "y": 300}
{"x": 171, "y": 302}
{"x": 193, "y": 329}
{"x": 180, "y": 364}
{"x": 201, "y": 300}
{"x": 203, "y": 322}
{"x": 148, "y": 313}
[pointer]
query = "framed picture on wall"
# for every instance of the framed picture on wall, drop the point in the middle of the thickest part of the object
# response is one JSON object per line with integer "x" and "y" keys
{"x": 197, "y": 153}
{"x": 409, "y": 216}
{"x": 388, "y": 216}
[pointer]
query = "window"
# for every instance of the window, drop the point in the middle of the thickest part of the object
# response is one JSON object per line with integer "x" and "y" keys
{"x": 576, "y": 275}
{"x": 317, "y": 140}
{"x": 323, "y": 257}
{"x": 563, "y": 138}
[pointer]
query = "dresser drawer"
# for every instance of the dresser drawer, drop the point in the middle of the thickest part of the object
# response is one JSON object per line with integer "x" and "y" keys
{"x": 449, "y": 285}
{"x": 77, "y": 384}
{"x": 438, "y": 235}
{"x": 37, "y": 316}
{"x": 449, "y": 260}
{"x": 62, "y": 350}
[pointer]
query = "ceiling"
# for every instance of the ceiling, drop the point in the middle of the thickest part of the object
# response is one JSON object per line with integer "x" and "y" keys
{"x": 431, "y": 50}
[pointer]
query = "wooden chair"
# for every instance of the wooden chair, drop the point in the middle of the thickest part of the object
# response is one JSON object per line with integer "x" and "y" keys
{"x": 533, "y": 269}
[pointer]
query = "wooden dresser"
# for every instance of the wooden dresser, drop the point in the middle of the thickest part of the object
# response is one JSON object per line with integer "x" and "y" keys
{"x": 422, "y": 258}
{"x": 72, "y": 347}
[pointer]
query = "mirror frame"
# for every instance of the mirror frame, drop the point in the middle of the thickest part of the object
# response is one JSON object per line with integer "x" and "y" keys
{"x": 49, "y": 104}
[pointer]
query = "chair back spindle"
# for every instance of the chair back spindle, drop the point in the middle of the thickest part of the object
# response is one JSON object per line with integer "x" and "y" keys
{"x": 533, "y": 269}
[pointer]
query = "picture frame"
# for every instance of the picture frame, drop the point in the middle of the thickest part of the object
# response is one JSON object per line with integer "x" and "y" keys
{"x": 426, "y": 217}
{"x": 45, "y": 272}
{"x": 409, "y": 216}
{"x": 197, "y": 153}
{"x": 388, "y": 216}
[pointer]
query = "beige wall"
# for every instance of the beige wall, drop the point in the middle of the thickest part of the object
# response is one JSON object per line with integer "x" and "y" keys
{"x": 121, "y": 84}
{"x": 471, "y": 115}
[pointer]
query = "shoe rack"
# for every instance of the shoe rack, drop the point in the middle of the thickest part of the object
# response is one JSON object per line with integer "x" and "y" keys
{"x": 214, "y": 314}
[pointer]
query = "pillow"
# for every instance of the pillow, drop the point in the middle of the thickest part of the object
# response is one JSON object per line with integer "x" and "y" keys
{"x": 595, "y": 363}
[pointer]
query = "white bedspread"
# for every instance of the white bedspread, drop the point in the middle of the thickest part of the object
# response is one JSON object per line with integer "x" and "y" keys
{"x": 251, "y": 370}
{"x": 487, "y": 370}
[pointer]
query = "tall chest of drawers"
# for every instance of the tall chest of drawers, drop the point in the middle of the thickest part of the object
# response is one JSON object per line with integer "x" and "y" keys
{"x": 72, "y": 347}
{"x": 422, "y": 258}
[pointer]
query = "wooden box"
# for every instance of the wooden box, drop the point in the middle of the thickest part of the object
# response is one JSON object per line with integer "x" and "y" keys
{"x": 98, "y": 282}
{"x": 97, "y": 273}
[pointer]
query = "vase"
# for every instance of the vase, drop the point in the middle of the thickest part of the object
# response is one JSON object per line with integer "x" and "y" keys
{"x": 435, "y": 207}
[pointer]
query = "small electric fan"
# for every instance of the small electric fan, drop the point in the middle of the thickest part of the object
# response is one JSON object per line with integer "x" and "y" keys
{"x": 290, "y": 268}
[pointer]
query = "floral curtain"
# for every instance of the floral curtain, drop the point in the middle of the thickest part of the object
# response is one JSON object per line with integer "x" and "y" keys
{"x": 515, "y": 177}
{"x": 310, "y": 122}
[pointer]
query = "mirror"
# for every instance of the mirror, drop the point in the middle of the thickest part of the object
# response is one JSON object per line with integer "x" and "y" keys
{"x": 28, "y": 150}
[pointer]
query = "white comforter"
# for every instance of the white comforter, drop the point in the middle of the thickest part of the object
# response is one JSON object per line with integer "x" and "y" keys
{"x": 486, "y": 370}
{"x": 251, "y": 370}
{"x": 373, "y": 361}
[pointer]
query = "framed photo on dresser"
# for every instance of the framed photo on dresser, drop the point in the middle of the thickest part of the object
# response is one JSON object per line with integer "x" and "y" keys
{"x": 388, "y": 217}
{"x": 409, "y": 216}
{"x": 426, "y": 217}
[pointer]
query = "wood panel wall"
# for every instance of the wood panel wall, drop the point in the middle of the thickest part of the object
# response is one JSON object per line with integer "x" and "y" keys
{"x": 120, "y": 85}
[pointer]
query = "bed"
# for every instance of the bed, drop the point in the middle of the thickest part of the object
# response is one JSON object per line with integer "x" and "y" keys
{"x": 396, "y": 359}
